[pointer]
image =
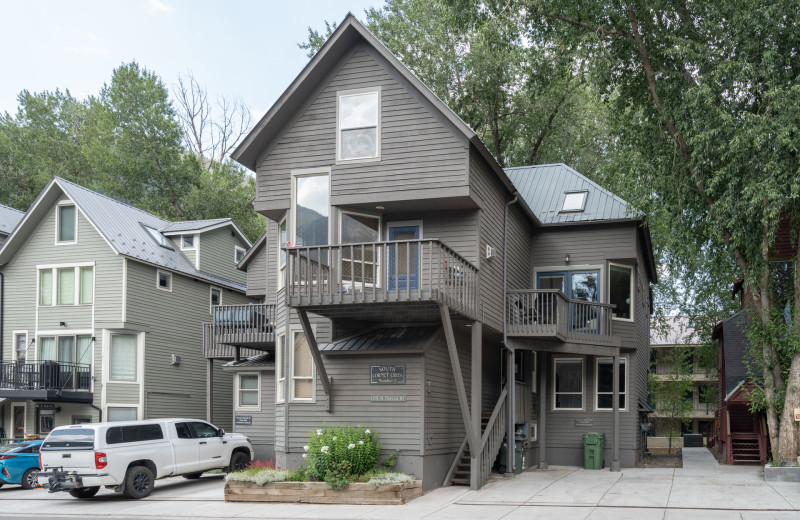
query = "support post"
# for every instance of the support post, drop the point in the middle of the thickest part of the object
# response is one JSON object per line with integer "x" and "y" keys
{"x": 210, "y": 390}
{"x": 477, "y": 407}
{"x": 541, "y": 360}
{"x": 615, "y": 406}
{"x": 511, "y": 405}
{"x": 474, "y": 442}
{"x": 314, "y": 348}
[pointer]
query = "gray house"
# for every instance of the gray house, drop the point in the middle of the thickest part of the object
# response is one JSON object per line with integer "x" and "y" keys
{"x": 9, "y": 218}
{"x": 103, "y": 306}
{"x": 409, "y": 276}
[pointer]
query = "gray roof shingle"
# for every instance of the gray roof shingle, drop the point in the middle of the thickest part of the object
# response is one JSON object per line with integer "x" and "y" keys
{"x": 9, "y": 218}
{"x": 391, "y": 338}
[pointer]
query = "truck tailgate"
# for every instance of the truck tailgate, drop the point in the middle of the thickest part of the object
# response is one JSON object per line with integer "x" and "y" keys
{"x": 71, "y": 448}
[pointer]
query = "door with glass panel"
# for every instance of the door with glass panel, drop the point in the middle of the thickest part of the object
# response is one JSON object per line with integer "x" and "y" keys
{"x": 576, "y": 285}
{"x": 360, "y": 254}
{"x": 403, "y": 258}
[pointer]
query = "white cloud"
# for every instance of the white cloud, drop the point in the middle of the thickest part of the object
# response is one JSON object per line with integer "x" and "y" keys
{"x": 160, "y": 7}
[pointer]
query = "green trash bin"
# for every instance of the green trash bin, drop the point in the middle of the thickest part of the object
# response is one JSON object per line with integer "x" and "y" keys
{"x": 519, "y": 447}
{"x": 593, "y": 450}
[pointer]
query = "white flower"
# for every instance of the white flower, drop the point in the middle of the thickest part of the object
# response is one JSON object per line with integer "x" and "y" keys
{"x": 367, "y": 431}
{"x": 351, "y": 446}
{"x": 324, "y": 449}
{"x": 319, "y": 432}
{"x": 361, "y": 442}
{"x": 305, "y": 455}
{"x": 334, "y": 437}
{"x": 305, "y": 448}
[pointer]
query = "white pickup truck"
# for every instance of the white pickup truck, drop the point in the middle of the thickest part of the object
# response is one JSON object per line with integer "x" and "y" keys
{"x": 129, "y": 456}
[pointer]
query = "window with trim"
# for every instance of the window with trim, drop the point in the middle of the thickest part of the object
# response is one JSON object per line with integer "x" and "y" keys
{"x": 359, "y": 263}
{"x": 248, "y": 390}
{"x": 74, "y": 285}
{"x": 187, "y": 242}
{"x": 66, "y": 349}
{"x": 216, "y": 298}
{"x": 123, "y": 357}
{"x": 568, "y": 384}
{"x": 66, "y": 224}
{"x": 20, "y": 346}
{"x": 311, "y": 210}
{"x": 281, "y": 252}
{"x": 121, "y": 413}
{"x": 620, "y": 287}
{"x": 280, "y": 372}
{"x": 605, "y": 384}
{"x": 302, "y": 374}
{"x": 358, "y": 134}
{"x": 574, "y": 201}
{"x": 238, "y": 254}
{"x": 163, "y": 280}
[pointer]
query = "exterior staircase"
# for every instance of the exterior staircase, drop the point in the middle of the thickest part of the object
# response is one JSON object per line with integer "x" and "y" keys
{"x": 745, "y": 451}
{"x": 461, "y": 474}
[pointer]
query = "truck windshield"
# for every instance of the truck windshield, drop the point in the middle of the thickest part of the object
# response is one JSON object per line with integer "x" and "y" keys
{"x": 70, "y": 438}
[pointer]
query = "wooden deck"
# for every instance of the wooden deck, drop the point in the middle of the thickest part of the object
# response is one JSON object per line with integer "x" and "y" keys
{"x": 251, "y": 328}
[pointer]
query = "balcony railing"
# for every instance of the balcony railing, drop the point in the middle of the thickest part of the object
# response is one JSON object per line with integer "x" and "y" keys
{"x": 239, "y": 325}
{"x": 549, "y": 314}
{"x": 45, "y": 375}
{"x": 381, "y": 272}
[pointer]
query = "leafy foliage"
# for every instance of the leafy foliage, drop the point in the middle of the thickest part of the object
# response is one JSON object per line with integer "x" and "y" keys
{"x": 670, "y": 391}
{"x": 341, "y": 453}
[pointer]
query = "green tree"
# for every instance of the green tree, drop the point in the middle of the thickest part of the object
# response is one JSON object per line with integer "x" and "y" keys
{"x": 671, "y": 391}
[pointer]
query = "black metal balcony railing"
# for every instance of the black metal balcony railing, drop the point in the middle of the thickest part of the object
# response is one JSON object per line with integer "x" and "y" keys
{"x": 381, "y": 272}
{"x": 548, "y": 313}
{"x": 45, "y": 375}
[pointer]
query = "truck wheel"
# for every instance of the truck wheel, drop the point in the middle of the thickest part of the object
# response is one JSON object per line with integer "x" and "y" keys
{"x": 138, "y": 482}
{"x": 192, "y": 476}
{"x": 238, "y": 461}
{"x": 84, "y": 492}
{"x": 30, "y": 478}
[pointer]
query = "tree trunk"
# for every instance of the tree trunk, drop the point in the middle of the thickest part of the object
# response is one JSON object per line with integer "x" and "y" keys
{"x": 788, "y": 447}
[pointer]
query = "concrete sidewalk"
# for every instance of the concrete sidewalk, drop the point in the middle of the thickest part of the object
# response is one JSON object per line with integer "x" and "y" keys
{"x": 699, "y": 490}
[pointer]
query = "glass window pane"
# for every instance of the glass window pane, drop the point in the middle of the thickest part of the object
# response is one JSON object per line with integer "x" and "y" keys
{"x": 574, "y": 201}
{"x": 84, "y": 350}
{"x": 359, "y": 228}
{"x": 66, "y": 223}
{"x": 248, "y": 398}
{"x": 302, "y": 357}
{"x": 248, "y": 382}
{"x": 551, "y": 281}
{"x": 620, "y": 280}
{"x": 358, "y": 110}
{"x": 359, "y": 143}
{"x": 165, "y": 281}
{"x": 87, "y": 279}
{"x": 188, "y": 241}
{"x": 313, "y": 208}
{"x": 215, "y": 297}
{"x": 46, "y": 287}
{"x": 584, "y": 287}
{"x": 116, "y": 414}
{"x": 569, "y": 401}
{"x": 123, "y": 357}
{"x": 66, "y": 349}
{"x": 47, "y": 349}
{"x": 66, "y": 286}
{"x": 569, "y": 375}
{"x": 605, "y": 382}
{"x": 605, "y": 400}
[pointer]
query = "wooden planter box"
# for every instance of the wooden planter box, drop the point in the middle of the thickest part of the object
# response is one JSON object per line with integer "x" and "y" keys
{"x": 319, "y": 493}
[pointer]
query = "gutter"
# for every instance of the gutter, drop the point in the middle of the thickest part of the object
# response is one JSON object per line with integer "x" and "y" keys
{"x": 510, "y": 382}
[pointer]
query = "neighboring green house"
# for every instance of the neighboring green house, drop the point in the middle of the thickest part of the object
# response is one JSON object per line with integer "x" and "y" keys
{"x": 103, "y": 306}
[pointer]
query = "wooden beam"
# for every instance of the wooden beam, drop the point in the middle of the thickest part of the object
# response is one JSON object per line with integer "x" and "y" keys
{"x": 615, "y": 407}
{"x": 564, "y": 348}
{"x": 476, "y": 394}
{"x": 542, "y": 366}
{"x": 210, "y": 390}
{"x": 447, "y": 325}
{"x": 314, "y": 348}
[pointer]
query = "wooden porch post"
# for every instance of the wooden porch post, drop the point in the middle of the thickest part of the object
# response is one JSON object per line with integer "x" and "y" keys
{"x": 615, "y": 406}
{"x": 314, "y": 348}
{"x": 474, "y": 442}
{"x": 477, "y": 407}
{"x": 541, "y": 360}
{"x": 210, "y": 390}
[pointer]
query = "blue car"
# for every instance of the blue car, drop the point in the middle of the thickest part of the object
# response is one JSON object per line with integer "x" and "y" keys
{"x": 19, "y": 463}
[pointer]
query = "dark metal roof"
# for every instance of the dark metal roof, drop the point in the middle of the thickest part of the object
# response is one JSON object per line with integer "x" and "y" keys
{"x": 199, "y": 226}
{"x": 544, "y": 187}
{"x": 260, "y": 361}
{"x": 251, "y": 252}
{"x": 9, "y": 218}
{"x": 385, "y": 339}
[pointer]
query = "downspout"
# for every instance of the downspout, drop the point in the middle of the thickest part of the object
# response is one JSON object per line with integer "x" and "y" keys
{"x": 99, "y": 411}
{"x": 510, "y": 382}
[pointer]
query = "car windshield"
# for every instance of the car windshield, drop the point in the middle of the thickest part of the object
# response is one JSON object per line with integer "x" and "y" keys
{"x": 5, "y": 448}
{"x": 70, "y": 438}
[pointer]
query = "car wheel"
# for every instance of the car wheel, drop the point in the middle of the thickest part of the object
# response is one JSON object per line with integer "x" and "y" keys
{"x": 138, "y": 482}
{"x": 239, "y": 460}
{"x": 192, "y": 476}
{"x": 30, "y": 478}
{"x": 84, "y": 492}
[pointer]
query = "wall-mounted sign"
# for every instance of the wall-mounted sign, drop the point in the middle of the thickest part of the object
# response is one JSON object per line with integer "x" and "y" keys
{"x": 243, "y": 420}
{"x": 387, "y": 374}
{"x": 387, "y": 398}
{"x": 583, "y": 422}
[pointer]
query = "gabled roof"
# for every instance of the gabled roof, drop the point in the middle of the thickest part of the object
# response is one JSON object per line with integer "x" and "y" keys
{"x": 347, "y": 34}
{"x": 201, "y": 226}
{"x": 544, "y": 187}
{"x": 9, "y": 218}
{"x": 263, "y": 361}
{"x": 252, "y": 252}
{"x": 122, "y": 227}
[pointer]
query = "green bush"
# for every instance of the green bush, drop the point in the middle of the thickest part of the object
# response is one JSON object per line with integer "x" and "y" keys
{"x": 330, "y": 446}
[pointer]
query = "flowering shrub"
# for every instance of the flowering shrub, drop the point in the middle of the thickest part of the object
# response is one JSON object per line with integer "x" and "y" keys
{"x": 337, "y": 453}
{"x": 261, "y": 464}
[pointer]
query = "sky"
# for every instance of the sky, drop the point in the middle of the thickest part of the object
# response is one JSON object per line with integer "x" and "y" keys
{"x": 244, "y": 48}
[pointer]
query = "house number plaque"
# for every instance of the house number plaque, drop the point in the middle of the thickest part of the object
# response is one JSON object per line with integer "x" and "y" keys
{"x": 387, "y": 398}
{"x": 244, "y": 420}
{"x": 583, "y": 422}
{"x": 387, "y": 374}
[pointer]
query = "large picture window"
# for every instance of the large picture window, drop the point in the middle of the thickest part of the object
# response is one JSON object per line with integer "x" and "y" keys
{"x": 69, "y": 285}
{"x": 620, "y": 285}
{"x": 66, "y": 349}
{"x": 605, "y": 384}
{"x": 568, "y": 384}
{"x": 302, "y": 369}
{"x": 359, "y": 125}
{"x": 311, "y": 210}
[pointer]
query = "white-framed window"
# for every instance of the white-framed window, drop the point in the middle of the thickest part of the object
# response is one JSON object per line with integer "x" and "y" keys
{"x": 215, "y": 298}
{"x": 66, "y": 285}
{"x": 248, "y": 390}
{"x": 302, "y": 386}
{"x": 574, "y": 201}
{"x": 188, "y": 242}
{"x": 358, "y": 117}
{"x": 280, "y": 370}
{"x": 164, "y": 280}
{"x": 66, "y": 224}
{"x": 122, "y": 413}
{"x": 238, "y": 254}
{"x": 66, "y": 349}
{"x": 123, "y": 357}
{"x": 604, "y": 381}
{"x": 620, "y": 291}
{"x": 20, "y": 345}
{"x": 359, "y": 263}
{"x": 567, "y": 384}
{"x": 282, "y": 239}
{"x": 310, "y": 207}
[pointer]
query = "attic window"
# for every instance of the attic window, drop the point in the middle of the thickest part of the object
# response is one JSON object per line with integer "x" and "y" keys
{"x": 158, "y": 237}
{"x": 574, "y": 201}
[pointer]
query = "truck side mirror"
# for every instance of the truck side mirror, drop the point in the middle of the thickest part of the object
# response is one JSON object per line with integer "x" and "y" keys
{"x": 221, "y": 432}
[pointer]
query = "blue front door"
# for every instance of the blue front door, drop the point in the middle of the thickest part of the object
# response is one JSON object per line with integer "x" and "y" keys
{"x": 404, "y": 259}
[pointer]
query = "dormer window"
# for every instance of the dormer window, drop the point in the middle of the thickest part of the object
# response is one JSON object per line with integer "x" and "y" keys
{"x": 66, "y": 224}
{"x": 574, "y": 201}
{"x": 238, "y": 254}
{"x": 187, "y": 241}
{"x": 158, "y": 237}
{"x": 358, "y": 117}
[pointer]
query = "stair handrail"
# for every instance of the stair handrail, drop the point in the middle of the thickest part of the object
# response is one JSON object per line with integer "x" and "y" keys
{"x": 499, "y": 406}
{"x": 454, "y": 465}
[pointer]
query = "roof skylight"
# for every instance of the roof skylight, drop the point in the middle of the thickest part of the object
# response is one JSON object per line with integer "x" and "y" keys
{"x": 574, "y": 201}
{"x": 158, "y": 237}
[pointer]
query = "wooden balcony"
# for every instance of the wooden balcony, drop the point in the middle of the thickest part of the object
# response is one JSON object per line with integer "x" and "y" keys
{"x": 381, "y": 281}
{"x": 548, "y": 314}
{"x": 46, "y": 381}
{"x": 251, "y": 326}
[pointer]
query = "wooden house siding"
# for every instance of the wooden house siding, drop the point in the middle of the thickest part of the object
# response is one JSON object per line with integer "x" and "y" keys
{"x": 222, "y": 399}
{"x": 217, "y": 254}
{"x": 262, "y": 431}
{"x": 420, "y": 154}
